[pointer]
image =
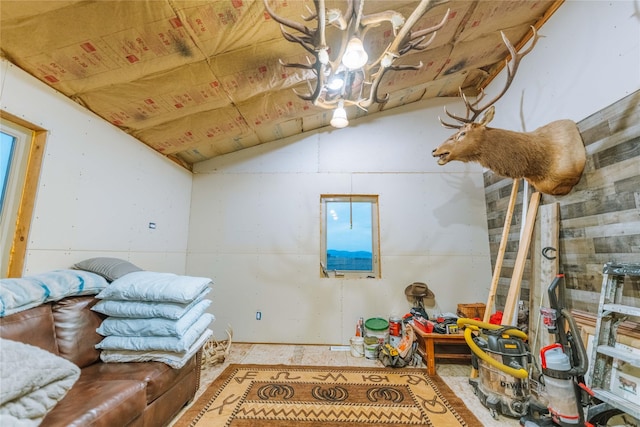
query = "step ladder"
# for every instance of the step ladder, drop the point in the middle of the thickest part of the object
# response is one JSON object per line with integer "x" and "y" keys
{"x": 611, "y": 312}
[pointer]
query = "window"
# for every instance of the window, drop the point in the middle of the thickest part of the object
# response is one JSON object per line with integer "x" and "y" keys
{"x": 21, "y": 147}
{"x": 349, "y": 236}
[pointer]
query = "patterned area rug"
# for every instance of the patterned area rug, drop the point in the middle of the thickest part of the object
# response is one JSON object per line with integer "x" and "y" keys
{"x": 302, "y": 396}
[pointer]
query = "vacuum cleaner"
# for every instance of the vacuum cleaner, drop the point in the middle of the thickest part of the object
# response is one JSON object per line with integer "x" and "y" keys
{"x": 564, "y": 364}
{"x": 507, "y": 372}
{"x": 501, "y": 358}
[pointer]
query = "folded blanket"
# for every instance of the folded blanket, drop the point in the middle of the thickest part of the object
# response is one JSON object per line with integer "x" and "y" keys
{"x": 27, "y": 292}
{"x": 154, "y": 327}
{"x": 172, "y": 344}
{"x": 175, "y": 360}
{"x": 146, "y": 309}
{"x": 33, "y": 382}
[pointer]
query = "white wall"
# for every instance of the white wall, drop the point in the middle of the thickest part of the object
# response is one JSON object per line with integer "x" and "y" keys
{"x": 99, "y": 188}
{"x": 587, "y": 59}
{"x": 255, "y": 228}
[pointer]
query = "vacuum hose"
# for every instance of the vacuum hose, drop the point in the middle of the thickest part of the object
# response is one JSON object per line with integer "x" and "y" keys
{"x": 581, "y": 369}
{"x": 475, "y": 325}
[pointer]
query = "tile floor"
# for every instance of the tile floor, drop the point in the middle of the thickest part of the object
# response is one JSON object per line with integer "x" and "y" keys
{"x": 456, "y": 376}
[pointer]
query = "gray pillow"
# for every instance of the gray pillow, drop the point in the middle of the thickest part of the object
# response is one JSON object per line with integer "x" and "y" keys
{"x": 109, "y": 268}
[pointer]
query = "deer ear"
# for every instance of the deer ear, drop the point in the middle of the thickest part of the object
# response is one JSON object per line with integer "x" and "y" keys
{"x": 487, "y": 116}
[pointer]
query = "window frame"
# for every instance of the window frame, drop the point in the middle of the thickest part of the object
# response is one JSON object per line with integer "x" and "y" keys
{"x": 23, "y": 176}
{"x": 376, "y": 271}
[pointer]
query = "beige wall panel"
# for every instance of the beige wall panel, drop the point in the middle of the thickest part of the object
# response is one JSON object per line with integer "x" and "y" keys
{"x": 263, "y": 206}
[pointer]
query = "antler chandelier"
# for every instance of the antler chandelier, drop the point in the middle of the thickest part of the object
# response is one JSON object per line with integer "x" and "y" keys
{"x": 345, "y": 74}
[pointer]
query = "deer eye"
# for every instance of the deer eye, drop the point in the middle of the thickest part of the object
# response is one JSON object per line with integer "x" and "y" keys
{"x": 461, "y": 134}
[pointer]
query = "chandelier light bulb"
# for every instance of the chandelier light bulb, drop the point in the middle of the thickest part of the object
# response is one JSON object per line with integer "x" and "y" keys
{"x": 355, "y": 56}
{"x": 323, "y": 56}
{"x": 387, "y": 60}
{"x": 336, "y": 83}
{"x": 339, "y": 119}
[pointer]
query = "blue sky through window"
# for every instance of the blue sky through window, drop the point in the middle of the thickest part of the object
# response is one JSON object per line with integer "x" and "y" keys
{"x": 6, "y": 150}
{"x": 349, "y": 226}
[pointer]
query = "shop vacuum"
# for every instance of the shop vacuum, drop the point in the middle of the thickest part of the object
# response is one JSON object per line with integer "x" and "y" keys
{"x": 501, "y": 358}
{"x": 507, "y": 373}
{"x": 564, "y": 364}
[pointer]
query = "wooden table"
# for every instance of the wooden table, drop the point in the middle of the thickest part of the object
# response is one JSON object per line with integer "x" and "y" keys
{"x": 441, "y": 346}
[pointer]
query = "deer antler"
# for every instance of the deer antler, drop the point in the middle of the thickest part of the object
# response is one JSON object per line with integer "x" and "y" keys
{"x": 314, "y": 42}
{"x": 404, "y": 42}
{"x": 473, "y": 109}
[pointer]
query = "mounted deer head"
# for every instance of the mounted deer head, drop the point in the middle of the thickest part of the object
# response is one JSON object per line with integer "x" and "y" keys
{"x": 551, "y": 158}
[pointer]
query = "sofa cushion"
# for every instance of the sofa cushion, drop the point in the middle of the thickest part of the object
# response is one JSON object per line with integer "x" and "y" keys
{"x": 158, "y": 376}
{"x": 98, "y": 403}
{"x": 34, "y": 326}
{"x": 75, "y": 328}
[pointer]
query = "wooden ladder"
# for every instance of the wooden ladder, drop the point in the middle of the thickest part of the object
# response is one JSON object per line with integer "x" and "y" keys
{"x": 611, "y": 312}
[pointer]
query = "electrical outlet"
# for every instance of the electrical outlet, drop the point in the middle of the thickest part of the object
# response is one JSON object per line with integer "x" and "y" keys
{"x": 258, "y": 315}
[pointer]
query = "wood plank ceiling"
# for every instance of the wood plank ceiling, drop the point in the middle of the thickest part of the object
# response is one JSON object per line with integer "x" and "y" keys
{"x": 197, "y": 79}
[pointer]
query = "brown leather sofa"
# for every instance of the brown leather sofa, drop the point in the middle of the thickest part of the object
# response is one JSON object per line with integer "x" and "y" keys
{"x": 106, "y": 394}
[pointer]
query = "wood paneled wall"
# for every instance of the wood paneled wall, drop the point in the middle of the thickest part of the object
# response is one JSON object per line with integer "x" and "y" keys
{"x": 599, "y": 218}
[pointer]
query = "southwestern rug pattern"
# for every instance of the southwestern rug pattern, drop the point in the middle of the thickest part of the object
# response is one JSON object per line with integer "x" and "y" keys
{"x": 303, "y": 396}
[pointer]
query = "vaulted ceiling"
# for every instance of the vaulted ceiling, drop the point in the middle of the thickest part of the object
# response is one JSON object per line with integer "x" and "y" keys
{"x": 197, "y": 79}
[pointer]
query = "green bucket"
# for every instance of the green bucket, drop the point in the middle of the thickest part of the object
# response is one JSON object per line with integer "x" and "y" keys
{"x": 377, "y": 327}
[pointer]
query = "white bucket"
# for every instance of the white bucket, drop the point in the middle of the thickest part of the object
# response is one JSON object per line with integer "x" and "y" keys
{"x": 357, "y": 346}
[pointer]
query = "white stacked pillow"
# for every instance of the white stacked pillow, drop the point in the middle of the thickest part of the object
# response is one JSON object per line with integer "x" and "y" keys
{"x": 154, "y": 317}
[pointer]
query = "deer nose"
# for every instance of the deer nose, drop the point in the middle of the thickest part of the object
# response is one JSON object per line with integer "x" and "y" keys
{"x": 433, "y": 151}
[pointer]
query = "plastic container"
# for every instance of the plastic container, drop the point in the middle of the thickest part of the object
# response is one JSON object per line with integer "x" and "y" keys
{"x": 357, "y": 346}
{"x": 559, "y": 391}
{"x": 371, "y": 348}
{"x": 377, "y": 327}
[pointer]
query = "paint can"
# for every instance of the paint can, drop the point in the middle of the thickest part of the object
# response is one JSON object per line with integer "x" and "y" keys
{"x": 395, "y": 326}
{"x": 357, "y": 346}
{"x": 371, "y": 347}
{"x": 377, "y": 327}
